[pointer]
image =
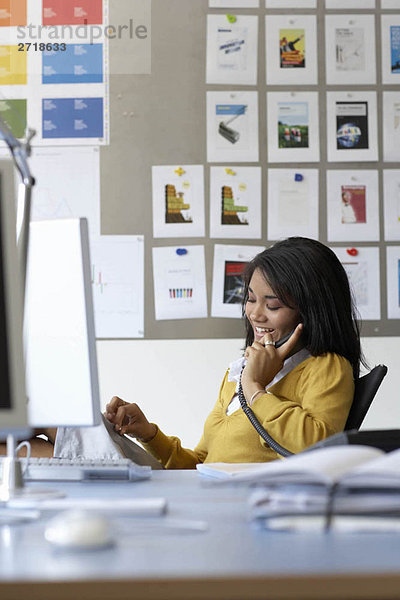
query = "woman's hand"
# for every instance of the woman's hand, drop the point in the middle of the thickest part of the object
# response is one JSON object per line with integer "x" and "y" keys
{"x": 264, "y": 361}
{"x": 128, "y": 418}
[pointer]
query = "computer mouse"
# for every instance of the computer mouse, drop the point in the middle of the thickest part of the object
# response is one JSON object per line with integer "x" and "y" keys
{"x": 79, "y": 530}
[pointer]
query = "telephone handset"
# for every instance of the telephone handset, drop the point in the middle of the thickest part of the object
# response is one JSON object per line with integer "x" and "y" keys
{"x": 252, "y": 417}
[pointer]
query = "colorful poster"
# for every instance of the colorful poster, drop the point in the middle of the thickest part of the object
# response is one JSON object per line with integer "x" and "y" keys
{"x": 395, "y": 49}
{"x": 233, "y": 282}
{"x": 178, "y": 201}
{"x": 291, "y": 49}
{"x": 79, "y": 63}
{"x": 351, "y": 125}
{"x": 73, "y": 12}
{"x": 353, "y": 205}
{"x": 72, "y": 118}
{"x": 293, "y": 126}
{"x": 235, "y": 202}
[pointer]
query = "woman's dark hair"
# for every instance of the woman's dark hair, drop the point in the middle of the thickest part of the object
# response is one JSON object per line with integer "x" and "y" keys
{"x": 305, "y": 274}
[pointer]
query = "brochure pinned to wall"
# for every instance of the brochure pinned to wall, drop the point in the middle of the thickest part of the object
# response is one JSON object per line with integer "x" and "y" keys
{"x": 390, "y": 34}
{"x": 291, "y": 49}
{"x": 292, "y": 203}
{"x": 232, "y": 50}
{"x": 353, "y": 205}
{"x": 54, "y": 73}
{"x": 293, "y": 126}
{"x": 235, "y": 202}
{"x": 118, "y": 285}
{"x": 290, "y": 3}
{"x": 393, "y": 281}
{"x": 391, "y": 204}
{"x": 362, "y": 268}
{"x": 353, "y": 38}
{"x": 391, "y": 126}
{"x": 352, "y": 126}
{"x": 232, "y": 126}
{"x": 67, "y": 184}
{"x": 234, "y": 3}
{"x": 178, "y": 201}
{"x": 179, "y": 277}
{"x": 228, "y": 289}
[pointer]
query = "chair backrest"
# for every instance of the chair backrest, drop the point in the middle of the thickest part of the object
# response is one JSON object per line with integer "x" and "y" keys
{"x": 364, "y": 392}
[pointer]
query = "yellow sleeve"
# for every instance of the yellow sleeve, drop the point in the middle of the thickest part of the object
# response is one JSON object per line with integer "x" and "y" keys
{"x": 310, "y": 404}
{"x": 169, "y": 451}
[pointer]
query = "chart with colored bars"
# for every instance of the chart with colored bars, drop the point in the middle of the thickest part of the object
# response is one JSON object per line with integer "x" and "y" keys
{"x": 180, "y": 292}
{"x": 53, "y": 74}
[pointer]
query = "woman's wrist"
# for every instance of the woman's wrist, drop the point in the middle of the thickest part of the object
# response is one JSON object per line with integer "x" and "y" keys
{"x": 153, "y": 429}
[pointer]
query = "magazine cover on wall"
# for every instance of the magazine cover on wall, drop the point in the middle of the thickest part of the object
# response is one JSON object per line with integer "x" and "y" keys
{"x": 353, "y": 206}
{"x": 292, "y": 203}
{"x": 235, "y": 202}
{"x": 232, "y": 126}
{"x": 227, "y": 288}
{"x": 391, "y": 204}
{"x": 391, "y": 126}
{"x": 362, "y": 268}
{"x": 232, "y": 49}
{"x": 178, "y": 200}
{"x": 353, "y": 38}
{"x": 390, "y": 34}
{"x": 179, "y": 277}
{"x": 393, "y": 281}
{"x": 291, "y": 49}
{"x": 352, "y": 126}
{"x": 293, "y": 126}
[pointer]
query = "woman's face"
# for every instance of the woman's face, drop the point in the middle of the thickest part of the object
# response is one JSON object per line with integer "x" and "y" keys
{"x": 265, "y": 311}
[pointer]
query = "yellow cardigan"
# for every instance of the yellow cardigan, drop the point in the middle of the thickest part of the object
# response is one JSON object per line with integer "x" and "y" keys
{"x": 307, "y": 405}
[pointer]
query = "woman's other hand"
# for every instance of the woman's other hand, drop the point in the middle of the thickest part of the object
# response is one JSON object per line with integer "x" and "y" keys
{"x": 128, "y": 418}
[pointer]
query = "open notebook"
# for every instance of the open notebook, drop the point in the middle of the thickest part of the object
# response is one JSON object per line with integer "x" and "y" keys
{"x": 351, "y": 467}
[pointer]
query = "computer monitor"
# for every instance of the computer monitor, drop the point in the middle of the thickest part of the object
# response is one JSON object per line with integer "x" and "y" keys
{"x": 13, "y": 405}
{"x": 61, "y": 361}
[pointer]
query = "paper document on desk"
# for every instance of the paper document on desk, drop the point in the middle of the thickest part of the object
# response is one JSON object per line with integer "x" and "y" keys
{"x": 350, "y": 466}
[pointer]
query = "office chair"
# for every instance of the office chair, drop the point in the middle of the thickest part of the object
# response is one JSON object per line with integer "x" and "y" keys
{"x": 365, "y": 390}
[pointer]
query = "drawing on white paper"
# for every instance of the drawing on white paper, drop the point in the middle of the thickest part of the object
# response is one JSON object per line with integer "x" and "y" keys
{"x": 357, "y": 272}
{"x": 118, "y": 285}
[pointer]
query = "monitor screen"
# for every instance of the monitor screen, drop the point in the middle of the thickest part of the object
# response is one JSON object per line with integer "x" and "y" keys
{"x": 61, "y": 360}
{"x": 13, "y": 405}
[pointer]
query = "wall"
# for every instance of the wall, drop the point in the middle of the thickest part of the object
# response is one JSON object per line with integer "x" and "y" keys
{"x": 176, "y": 382}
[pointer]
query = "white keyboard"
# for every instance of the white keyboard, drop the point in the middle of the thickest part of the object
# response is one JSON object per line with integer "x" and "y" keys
{"x": 81, "y": 469}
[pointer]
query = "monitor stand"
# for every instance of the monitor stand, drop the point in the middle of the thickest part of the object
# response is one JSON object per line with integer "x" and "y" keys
{"x": 12, "y": 485}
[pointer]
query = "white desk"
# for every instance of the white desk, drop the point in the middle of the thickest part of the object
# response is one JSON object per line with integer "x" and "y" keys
{"x": 232, "y": 560}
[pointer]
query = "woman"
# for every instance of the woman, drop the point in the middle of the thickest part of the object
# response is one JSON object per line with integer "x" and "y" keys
{"x": 302, "y": 391}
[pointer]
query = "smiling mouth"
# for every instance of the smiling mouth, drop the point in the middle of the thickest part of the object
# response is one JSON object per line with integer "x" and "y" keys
{"x": 263, "y": 330}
